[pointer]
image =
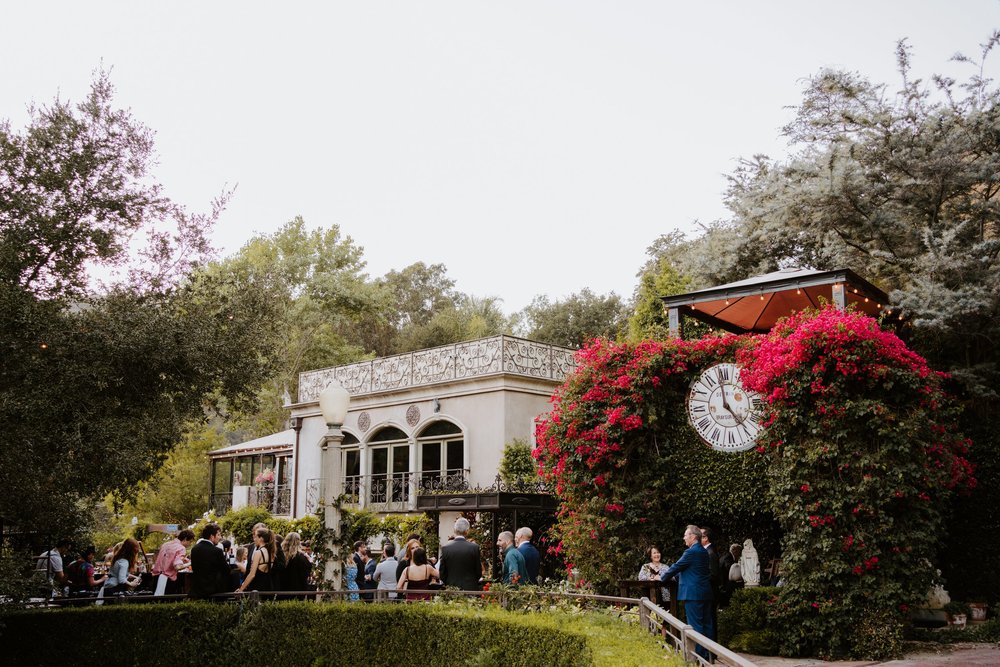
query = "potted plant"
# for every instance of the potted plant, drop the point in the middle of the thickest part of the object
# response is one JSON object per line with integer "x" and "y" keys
{"x": 978, "y": 611}
{"x": 958, "y": 613}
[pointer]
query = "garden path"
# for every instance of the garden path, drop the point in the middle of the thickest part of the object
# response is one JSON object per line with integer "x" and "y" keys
{"x": 955, "y": 655}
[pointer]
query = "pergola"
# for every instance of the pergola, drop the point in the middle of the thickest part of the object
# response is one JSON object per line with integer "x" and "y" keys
{"x": 755, "y": 304}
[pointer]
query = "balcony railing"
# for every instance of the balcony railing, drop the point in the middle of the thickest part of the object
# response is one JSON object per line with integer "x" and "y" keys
{"x": 476, "y": 358}
{"x": 389, "y": 492}
{"x": 276, "y": 499}
{"x": 220, "y": 503}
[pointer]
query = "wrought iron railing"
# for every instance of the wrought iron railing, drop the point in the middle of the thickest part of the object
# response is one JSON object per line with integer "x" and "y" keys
{"x": 276, "y": 499}
{"x": 389, "y": 492}
{"x": 220, "y": 503}
{"x": 437, "y": 482}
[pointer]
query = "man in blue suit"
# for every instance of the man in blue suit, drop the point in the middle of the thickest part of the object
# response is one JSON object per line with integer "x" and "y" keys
{"x": 694, "y": 586}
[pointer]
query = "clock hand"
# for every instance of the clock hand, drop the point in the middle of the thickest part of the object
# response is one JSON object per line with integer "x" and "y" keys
{"x": 725, "y": 401}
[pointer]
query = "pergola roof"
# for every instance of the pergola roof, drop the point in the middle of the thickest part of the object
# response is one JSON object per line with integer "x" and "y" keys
{"x": 755, "y": 304}
{"x": 276, "y": 442}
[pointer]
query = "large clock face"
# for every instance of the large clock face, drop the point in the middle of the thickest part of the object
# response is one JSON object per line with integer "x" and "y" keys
{"x": 722, "y": 411}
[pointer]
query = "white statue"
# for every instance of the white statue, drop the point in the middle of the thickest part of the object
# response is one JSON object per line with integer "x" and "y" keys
{"x": 749, "y": 565}
{"x": 938, "y": 597}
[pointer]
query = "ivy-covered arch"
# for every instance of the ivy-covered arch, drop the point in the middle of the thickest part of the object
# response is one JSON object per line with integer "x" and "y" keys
{"x": 857, "y": 460}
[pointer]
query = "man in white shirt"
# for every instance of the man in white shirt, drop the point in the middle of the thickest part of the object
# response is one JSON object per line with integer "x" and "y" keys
{"x": 385, "y": 571}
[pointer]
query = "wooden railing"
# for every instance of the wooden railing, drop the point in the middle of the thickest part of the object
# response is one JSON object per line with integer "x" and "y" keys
{"x": 684, "y": 638}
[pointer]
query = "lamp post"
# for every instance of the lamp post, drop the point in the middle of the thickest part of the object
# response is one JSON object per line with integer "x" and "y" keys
{"x": 333, "y": 403}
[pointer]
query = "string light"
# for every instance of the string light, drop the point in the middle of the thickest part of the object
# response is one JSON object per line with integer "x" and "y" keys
{"x": 798, "y": 291}
{"x": 761, "y": 297}
{"x": 866, "y": 299}
{"x": 44, "y": 346}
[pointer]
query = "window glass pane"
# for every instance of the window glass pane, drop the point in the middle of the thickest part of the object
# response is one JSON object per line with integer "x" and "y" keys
{"x": 456, "y": 455}
{"x": 284, "y": 464}
{"x": 401, "y": 458}
{"x": 223, "y": 476}
{"x": 440, "y": 428}
{"x": 267, "y": 461}
{"x": 430, "y": 456}
{"x": 380, "y": 460}
{"x": 350, "y": 439}
{"x": 388, "y": 434}
{"x": 352, "y": 462}
{"x": 244, "y": 466}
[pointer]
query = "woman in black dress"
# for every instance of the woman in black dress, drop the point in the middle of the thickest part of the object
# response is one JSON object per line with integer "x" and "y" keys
{"x": 259, "y": 573}
{"x": 295, "y": 576}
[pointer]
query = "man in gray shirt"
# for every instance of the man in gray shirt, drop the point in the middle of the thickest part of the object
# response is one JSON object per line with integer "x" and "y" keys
{"x": 385, "y": 571}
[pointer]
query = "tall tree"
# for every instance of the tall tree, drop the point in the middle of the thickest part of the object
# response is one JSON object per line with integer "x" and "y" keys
{"x": 96, "y": 384}
{"x": 320, "y": 292}
{"x": 658, "y": 279}
{"x": 407, "y": 299}
{"x": 902, "y": 187}
{"x": 575, "y": 320}
{"x": 473, "y": 317}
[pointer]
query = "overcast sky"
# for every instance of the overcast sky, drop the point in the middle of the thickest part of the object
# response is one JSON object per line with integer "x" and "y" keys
{"x": 531, "y": 147}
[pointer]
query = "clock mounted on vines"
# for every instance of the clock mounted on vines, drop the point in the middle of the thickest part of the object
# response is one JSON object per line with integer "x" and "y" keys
{"x": 724, "y": 413}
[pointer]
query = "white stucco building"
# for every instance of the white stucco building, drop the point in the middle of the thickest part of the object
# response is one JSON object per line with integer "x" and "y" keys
{"x": 424, "y": 420}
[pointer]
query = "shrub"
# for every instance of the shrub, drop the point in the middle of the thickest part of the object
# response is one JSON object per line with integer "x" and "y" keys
{"x": 745, "y": 625}
{"x": 517, "y": 465}
{"x": 864, "y": 457}
{"x": 323, "y": 634}
{"x": 309, "y": 528}
{"x": 239, "y": 523}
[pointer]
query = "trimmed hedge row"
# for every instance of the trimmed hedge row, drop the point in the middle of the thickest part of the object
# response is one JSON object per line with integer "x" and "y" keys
{"x": 320, "y": 634}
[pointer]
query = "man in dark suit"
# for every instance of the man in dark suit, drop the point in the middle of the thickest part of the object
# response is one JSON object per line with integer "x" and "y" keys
{"x": 209, "y": 569}
{"x": 359, "y": 562}
{"x": 532, "y": 558}
{"x": 715, "y": 574}
{"x": 368, "y": 584}
{"x": 694, "y": 586}
{"x": 460, "y": 565}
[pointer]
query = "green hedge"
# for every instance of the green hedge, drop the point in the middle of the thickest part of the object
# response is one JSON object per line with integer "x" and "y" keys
{"x": 307, "y": 633}
{"x": 744, "y": 626}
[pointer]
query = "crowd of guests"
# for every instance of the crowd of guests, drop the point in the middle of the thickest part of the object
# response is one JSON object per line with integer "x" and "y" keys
{"x": 273, "y": 563}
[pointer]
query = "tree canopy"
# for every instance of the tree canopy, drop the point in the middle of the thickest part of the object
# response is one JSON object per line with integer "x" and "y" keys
{"x": 575, "y": 320}
{"x": 899, "y": 184}
{"x": 97, "y": 382}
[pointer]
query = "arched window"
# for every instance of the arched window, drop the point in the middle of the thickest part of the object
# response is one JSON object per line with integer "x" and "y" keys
{"x": 389, "y": 450}
{"x": 351, "y": 462}
{"x": 441, "y": 457}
